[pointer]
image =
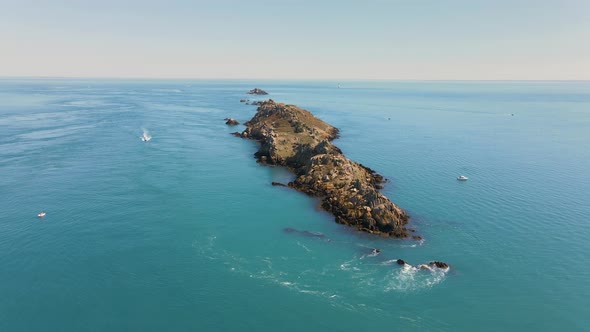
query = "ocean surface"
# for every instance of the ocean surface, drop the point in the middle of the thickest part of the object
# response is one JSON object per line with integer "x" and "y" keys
{"x": 186, "y": 233}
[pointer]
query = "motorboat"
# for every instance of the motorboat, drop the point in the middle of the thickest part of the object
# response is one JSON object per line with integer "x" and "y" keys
{"x": 41, "y": 214}
{"x": 462, "y": 178}
{"x": 145, "y": 137}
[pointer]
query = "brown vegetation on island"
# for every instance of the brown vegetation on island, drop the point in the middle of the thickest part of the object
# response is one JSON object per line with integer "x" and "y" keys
{"x": 292, "y": 137}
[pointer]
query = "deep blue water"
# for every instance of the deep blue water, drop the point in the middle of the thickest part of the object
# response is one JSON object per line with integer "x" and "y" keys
{"x": 185, "y": 232}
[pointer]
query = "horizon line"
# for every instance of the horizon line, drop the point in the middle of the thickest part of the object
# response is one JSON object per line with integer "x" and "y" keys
{"x": 293, "y": 79}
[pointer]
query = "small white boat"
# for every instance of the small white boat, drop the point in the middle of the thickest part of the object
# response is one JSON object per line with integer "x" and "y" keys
{"x": 462, "y": 178}
{"x": 41, "y": 214}
{"x": 145, "y": 137}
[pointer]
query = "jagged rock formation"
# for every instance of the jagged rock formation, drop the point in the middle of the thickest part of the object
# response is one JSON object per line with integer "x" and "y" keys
{"x": 430, "y": 266}
{"x": 231, "y": 122}
{"x": 440, "y": 265}
{"x": 257, "y": 91}
{"x": 292, "y": 137}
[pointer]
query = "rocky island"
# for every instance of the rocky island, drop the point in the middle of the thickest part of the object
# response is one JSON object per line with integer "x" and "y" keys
{"x": 292, "y": 137}
{"x": 257, "y": 91}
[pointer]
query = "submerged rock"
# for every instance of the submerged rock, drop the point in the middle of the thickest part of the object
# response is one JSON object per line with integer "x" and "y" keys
{"x": 292, "y": 137}
{"x": 255, "y": 103}
{"x": 306, "y": 233}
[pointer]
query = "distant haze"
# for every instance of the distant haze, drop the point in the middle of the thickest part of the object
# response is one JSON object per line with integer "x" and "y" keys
{"x": 412, "y": 39}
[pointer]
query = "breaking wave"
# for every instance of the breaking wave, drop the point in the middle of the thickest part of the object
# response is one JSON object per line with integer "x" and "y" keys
{"x": 342, "y": 283}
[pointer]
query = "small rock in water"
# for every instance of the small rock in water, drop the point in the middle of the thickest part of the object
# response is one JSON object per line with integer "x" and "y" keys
{"x": 231, "y": 122}
{"x": 440, "y": 265}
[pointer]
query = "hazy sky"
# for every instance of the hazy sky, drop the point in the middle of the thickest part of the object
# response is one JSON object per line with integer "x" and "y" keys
{"x": 369, "y": 39}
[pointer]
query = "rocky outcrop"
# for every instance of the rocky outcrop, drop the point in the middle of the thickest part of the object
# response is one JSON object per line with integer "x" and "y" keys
{"x": 257, "y": 91}
{"x": 254, "y": 102}
{"x": 429, "y": 267}
{"x": 440, "y": 265}
{"x": 292, "y": 137}
{"x": 231, "y": 122}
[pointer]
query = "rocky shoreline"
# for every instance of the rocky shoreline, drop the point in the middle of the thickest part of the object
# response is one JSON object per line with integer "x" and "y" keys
{"x": 292, "y": 137}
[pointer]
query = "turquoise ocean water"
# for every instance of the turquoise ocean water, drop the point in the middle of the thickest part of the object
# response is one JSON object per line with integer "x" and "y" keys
{"x": 185, "y": 232}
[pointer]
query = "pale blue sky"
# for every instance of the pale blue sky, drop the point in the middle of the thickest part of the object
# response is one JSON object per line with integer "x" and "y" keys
{"x": 371, "y": 39}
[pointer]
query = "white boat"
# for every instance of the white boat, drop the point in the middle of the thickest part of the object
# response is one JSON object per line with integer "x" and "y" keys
{"x": 145, "y": 137}
{"x": 462, "y": 178}
{"x": 41, "y": 214}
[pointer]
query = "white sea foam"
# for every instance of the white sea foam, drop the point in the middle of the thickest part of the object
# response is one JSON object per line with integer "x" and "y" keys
{"x": 372, "y": 254}
{"x": 303, "y": 246}
{"x": 407, "y": 318}
{"x": 411, "y": 278}
{"x": 389, "y": 262}
{"x": 360, "y": 278}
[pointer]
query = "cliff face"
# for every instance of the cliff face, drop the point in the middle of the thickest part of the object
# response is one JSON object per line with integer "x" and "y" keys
{"x": 291, "y": 136}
